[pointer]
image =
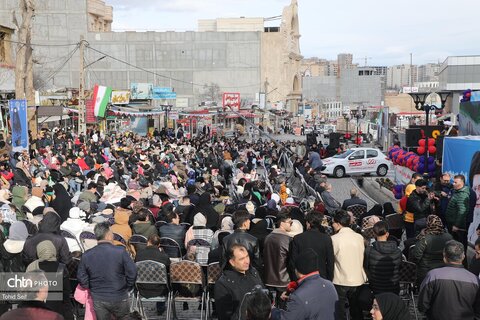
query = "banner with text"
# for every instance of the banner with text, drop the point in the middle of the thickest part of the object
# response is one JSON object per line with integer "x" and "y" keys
{"x": 141, "y": 91}
{"x": 232, "y": 100}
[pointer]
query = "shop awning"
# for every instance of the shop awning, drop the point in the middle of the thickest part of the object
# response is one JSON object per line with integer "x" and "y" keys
{"x": 52, "y": 119}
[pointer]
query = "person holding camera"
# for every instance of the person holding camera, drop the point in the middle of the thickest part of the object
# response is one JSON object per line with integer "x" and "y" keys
{"x": 420, "y": 204}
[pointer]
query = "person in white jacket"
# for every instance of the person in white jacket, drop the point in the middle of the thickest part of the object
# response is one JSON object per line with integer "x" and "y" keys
{"x": 75, "y": 225}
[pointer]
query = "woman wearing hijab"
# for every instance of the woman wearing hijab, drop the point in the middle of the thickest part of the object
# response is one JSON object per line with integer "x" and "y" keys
{"x": 47, "y": 262}
{"x": 62, "y": 203}
{"x": 428, "y": 251}
{"x": 199, "y": 230}
{"x": 205, "y": 207}
{"x": 389, "y": 306}
{"x": 226, "y": 226}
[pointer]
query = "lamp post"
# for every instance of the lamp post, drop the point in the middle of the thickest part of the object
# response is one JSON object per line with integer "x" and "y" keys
{"x": 358, "y": 114}
{"x": 419, "y": 99}
{"x": 347, "y": 116}
{"x": 166, "y": 108}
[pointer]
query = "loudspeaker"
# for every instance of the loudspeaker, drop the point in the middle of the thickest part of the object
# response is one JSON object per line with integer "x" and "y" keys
{"x": 334, "y": 139}
{"x": 412, "y": 136}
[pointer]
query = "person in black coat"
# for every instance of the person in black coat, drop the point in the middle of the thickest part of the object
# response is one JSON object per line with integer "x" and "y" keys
{"x": 316, "y": 239}
{"x": 173, "y": 230}
{"x": 62, "y": 202}
{"x": 205, "y": 207}
{"x": 237, "y": 279}
{"x": 382, "y": 262}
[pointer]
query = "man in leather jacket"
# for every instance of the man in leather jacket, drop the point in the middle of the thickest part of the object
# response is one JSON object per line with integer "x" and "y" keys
{"x": 241, "y": 221}
{"x": 419, "y": 203}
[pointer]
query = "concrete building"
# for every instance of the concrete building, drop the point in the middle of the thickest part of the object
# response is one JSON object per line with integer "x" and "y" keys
{"x": 458, "y": 74}
{"x": 428, "y": 72}
{"x": 238, "y": 55}
{"x": 352, "y": 86}
{"x": 332, "y": 110}
{"x": 400, "y": 76}
{"x": 314, "y": 67}
{"x": 7, "y": 67}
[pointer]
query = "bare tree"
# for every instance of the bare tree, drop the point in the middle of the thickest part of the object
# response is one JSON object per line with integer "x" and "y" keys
{"x": 211, "y": 92}
{"x": 24, "y": 59}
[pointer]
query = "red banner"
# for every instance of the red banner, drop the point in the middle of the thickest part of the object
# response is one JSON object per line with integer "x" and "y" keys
{"x": 89, "y": 107}
{"x": 231, "y": 99}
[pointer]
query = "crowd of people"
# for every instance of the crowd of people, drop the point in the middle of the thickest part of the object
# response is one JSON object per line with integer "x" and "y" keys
{"x": 285, "y": 251}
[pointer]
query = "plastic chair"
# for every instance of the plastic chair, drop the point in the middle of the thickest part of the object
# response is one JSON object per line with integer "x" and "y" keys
{"x": 187, "y": 281}
{"x": 214, "y": 272}
{"x": 67, "y": 234}
{"x": 171, "y": 248}
{"x": 152, "y": 274}
{"x": 88, "y": 240}
{"x": 408, "y": 278}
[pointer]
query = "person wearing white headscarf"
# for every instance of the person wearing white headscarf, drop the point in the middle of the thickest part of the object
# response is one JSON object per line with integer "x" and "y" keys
{"x": 75, "y": 225}
{"x": 225, "y": 226}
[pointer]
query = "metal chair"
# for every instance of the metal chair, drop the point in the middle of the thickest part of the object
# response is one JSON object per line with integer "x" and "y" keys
{"x": 410, "y": 253}
{"x": 214, "y": 271}
{"x": 88, "y": 240}
{"x": 186, "y": 225}
{"x": 408, "y": 278}
{"x": 202, "y": 248}
{"x": 365, "y": 221}
{"x": 158, "y": 224}
{"x": 138, "y": 242}
{"x": 368, "y": 233}
{"x": 171, "y": 248}
{"x": 152, "y": 274}
{"x": 68, "y": 235}
{"x": 118, "y": 237}
{"x": 187, "y": 281}
{"x": 72, "y": 268}
{"x": 357, "y": 210}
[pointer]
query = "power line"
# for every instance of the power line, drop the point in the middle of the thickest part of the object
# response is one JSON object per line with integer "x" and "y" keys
{"x": 54, "y": 73}
{"x": 164, "y": 76}
{"x": 43, "y": 45}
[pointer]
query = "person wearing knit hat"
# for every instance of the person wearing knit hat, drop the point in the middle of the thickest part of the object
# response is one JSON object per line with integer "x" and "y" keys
{"x": 389, "y": 306}
{"x": 17, "y": 235}
{"x": 311, "y": 296}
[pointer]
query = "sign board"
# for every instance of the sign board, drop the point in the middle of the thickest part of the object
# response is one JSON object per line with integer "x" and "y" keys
{"x": 19, "y": 125}
{"x": 409, "y": 89}
{"x": 90, "y": 111}
{"x": 120, "y": 97}
{"x": 141, "y": 91}
{"x": 165, "y": 95}
{"x": 173, "y": 115}
{"x": 231, "y": 99}
{"x": 261, "y": 100}
{"x": 157, "y": 90}
{"x": 182, "y": 103}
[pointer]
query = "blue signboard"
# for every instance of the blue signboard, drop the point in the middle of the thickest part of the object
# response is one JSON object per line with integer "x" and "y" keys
{"x": 19, "y": 125}
{"x": 165, "y": 95}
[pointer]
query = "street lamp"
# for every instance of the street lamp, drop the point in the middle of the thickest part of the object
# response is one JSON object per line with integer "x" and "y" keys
{"x": 358, "y": 114}
{"x": 419, "y": 99}
{"x": 347, "y": 116}
{"x": 166, "y": 108}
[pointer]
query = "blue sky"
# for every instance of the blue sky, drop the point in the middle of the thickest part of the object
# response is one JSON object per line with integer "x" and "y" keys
{"x": 384, "y": 31}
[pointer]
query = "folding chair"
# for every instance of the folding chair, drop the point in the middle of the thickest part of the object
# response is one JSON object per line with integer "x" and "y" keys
{"x": 68, "y": 235}
{"x": 138, "y": 242}
{"x": 152, "y": 275}
{"x": 186, "y": 225}
{"x": 202, "y": 248}
{"x": 158, "y": 224}
{"x": 395, "y": 224}
{"x": 365, "y": 221}
{"x": 72, "y": 268}
{"x": 410, "y": 253}
{"x": 214, "y": 271}
{"x": 187, "y": 279}
{"x": 88, "y": 240}
{"x": 408, "y": 278}
{"x": 357, "y": 210}
{"x": 171, "y": 248}
{"x": 119, "y": 238}
{"x": 368, "y": 233}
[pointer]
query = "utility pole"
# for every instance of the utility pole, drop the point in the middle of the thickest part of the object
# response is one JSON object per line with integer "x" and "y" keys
{"x": 82, "y": 127}
{"x": 265, "y": 110}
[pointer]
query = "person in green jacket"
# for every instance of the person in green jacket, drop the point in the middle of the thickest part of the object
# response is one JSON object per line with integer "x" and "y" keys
{"x": 457, "y": 209}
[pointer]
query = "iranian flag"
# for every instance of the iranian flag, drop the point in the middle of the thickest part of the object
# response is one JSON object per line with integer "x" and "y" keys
{"x": 101, "y": 96}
